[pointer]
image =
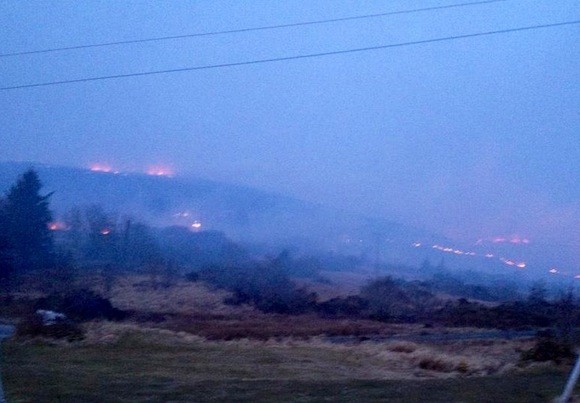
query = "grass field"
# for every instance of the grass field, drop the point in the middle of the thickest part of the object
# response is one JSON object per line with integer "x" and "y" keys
{"x": 182, "y": 343}
{"x": 122, "y": 363}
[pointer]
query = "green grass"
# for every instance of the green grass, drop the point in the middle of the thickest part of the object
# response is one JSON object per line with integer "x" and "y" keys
{"x": 138, "y": 370}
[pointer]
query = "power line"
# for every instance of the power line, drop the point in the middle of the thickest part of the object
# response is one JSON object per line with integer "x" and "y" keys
{"x": 235, "y": 31}
{"x": 306, "y": 56}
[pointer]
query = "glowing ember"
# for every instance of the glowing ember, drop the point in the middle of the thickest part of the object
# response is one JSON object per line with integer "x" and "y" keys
{"x": 513, "y": 239}
{"x": 157, "y": 170}
{"x": 507, "y": 261}
{"x": 105, "y": 231}
{"x": 450, "y": 250}
{"x": 488, "y": 255}
{"x": 417, "y": 244}
{"x": 517, "y": 240}
{"x": 553, "y": 270}
{"x": 196, "y": 225}
{"x": 101, "y": 168}
{"x": 57, "y": 226}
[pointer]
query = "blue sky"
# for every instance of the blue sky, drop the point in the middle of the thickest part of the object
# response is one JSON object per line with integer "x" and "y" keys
{"x": 471, "y": 138}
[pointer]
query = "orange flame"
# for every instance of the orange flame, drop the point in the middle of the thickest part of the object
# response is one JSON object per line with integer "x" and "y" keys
{"x": 100, "y": 167}
{"x": 158, "y": 170}
{"x": 513, "y": 239}
{"x": 57, "y": 226}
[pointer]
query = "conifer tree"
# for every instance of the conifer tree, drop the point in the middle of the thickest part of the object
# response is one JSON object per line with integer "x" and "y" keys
{"x": 5, "y": 261}
{"x": 26, "y": 219}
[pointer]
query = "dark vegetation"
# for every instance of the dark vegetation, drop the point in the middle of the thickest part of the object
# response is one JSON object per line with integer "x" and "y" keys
{"x": 47, "y": 256}
{"x": 469, "y": 284}
{"x": 81, "y": 305}
{"x": 265, "y": 285}
{"x": 548, "y": 347}
{"x": 33, "y": 326}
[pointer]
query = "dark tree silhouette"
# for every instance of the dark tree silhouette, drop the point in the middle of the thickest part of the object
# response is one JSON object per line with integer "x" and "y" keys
{"x": 26, "y": 219}
{"x": 386, "y": 299}
{"x": 538, "y": 293}
{"x": 5, "y": 261}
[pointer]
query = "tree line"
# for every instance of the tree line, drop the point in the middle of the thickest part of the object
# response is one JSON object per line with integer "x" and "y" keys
{"x": 47, "y": 253}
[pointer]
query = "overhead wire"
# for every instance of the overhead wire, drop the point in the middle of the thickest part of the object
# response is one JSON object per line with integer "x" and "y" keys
{"x": 295, "y": 57}
{"x": 241, "y": 30}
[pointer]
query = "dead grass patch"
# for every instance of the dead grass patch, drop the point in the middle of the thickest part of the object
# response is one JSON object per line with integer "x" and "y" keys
{"x": 256, "y": 325}
{"x": 298, "y": 356}
{"x": 402, "y": 347}
{"x": 136, "y": 293}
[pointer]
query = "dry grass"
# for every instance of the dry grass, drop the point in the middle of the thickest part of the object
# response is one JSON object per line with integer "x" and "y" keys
{"x": 197, "y": 309}
{"x": 300, "y": 358}
{"x": 402, "y": 347}
{"x": 125, "y": 362}
{"x": 201, "y": 345}
{"x": 265, "y": 326}
{"x": 191, "y": 313}
{"x": 183, "y": 297}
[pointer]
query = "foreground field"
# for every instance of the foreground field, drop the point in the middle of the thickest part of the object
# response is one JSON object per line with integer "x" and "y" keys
{"x": 126, "y": 363}
{"x": 182, "y": 343}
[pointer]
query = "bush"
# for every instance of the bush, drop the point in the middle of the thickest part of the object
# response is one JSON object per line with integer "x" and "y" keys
{"x": 547, "y": 348}
{"x": 387, "y": 301}
{"x": 267, "y": 287}
{"x": 81, "y": 306}
{"x": 351, "y": 306}
{"x": 33, "y": 326}
{"x": 435, "y": 364}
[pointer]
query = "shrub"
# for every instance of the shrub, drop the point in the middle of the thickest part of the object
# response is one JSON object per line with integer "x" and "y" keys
{"x": 386, "y": 299}
{"x": 547, "y": 348}
{"x": 435, "y": 364}
{"x": 266, "y": 286}
{"x": 33, "y": 326}
{"x": 81, "y": 306}
{"x": 351, "y": 306}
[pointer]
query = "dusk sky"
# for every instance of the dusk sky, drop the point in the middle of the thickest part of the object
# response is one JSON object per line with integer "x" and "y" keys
{"x": 472, "y": 138}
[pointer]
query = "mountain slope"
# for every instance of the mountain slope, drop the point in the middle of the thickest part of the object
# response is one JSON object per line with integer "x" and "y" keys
{"x": 242, "y": 212}
{"x": 248, "y": 215}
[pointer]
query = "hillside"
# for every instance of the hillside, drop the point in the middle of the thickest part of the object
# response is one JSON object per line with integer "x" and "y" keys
{"x": 251, "y": 216}
{"x": 243, "y": 213}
